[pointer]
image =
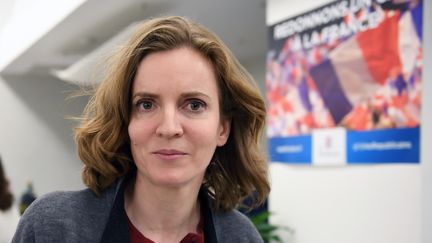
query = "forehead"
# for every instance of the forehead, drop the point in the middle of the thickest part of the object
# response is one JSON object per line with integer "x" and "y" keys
{"x": 180, "y": 68}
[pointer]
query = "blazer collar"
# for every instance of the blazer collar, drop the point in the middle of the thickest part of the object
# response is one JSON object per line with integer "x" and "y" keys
{"x": 117, "y": 231}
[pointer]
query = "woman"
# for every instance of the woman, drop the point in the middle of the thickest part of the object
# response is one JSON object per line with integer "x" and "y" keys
{"x": 8, "y": 213}
{"x": 170, "y": 146}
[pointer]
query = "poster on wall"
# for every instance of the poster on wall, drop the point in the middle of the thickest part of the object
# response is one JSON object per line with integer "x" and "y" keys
{"x": 344, "y": 84}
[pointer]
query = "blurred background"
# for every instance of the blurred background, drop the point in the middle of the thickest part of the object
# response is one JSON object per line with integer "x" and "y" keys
{"x": 49, "y": 48}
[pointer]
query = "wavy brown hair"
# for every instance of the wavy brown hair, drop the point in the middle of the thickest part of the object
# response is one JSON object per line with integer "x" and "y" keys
{"x": 6, "y": 197}
{"x": 238, "y": 169}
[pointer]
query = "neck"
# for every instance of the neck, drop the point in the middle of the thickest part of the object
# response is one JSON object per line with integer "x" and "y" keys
{"x": 162, "y": 214}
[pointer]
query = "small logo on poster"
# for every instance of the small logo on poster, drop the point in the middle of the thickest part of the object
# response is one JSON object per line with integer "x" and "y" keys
{"x": 329, "y": 146}
{"x": 328, "y": 142}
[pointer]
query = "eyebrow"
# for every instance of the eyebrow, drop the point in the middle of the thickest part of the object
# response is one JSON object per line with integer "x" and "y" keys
{"x": 194, "y": 94}
{"x": 144, "y": 94}
{"x": 184, "y": 95}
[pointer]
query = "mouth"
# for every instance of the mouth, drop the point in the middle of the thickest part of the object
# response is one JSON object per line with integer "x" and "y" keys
{"x": 169, "y": 154}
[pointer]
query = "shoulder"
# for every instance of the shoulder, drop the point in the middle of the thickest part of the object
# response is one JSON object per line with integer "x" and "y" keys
{"x": 60, "y": 204}
{"x": 60, "y": 215}
{"x": 234, "y": 226}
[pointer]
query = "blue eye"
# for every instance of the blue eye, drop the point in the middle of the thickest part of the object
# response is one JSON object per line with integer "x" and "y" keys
{"x": 196, "y": 105}
{"x": 145, "y": 105}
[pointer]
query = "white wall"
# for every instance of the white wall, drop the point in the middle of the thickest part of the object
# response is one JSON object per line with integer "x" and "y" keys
{"x": 355, "y": 204}
{"x": 35, "y": 140}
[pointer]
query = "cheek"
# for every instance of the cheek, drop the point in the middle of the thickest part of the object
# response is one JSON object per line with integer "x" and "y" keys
{"x": 136, "y": 131}
{"x": 131, "y": 131}
{"x": 205, "y": 135}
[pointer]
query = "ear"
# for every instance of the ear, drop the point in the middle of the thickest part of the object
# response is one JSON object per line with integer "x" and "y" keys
{"x": 224, "y": 131}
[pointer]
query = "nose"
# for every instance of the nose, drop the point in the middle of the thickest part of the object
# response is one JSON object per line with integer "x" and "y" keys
{"x": 169, "y": 124}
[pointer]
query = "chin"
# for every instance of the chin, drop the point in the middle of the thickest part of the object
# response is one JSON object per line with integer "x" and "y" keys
{"x": 171, "y": 181}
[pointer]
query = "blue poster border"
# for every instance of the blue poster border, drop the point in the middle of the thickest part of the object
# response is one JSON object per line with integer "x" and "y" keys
{"x": 398, "y": 145}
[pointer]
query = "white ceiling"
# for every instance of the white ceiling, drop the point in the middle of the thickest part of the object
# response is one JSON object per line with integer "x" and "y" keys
{"x": 240, "y": 23}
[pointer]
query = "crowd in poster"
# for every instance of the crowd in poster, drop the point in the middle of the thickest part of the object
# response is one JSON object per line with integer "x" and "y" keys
{"x": 344, "y": 83}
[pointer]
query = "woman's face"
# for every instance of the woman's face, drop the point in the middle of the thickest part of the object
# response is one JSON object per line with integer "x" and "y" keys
{"x": 175, "y": 124}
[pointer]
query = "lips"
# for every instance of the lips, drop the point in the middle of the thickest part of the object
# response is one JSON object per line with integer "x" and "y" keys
{"x": 169, "y": 154}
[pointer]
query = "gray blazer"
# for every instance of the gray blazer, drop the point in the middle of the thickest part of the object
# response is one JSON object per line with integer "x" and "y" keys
{"x": 81, "y": 216}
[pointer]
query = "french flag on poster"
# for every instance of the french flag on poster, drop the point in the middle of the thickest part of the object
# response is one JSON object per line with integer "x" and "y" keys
{"x": 359, "y": 66}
